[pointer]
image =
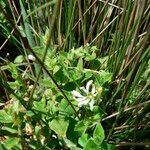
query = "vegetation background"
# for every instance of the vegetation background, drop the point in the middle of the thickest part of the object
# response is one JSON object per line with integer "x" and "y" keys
{"x": 71, "y": 42}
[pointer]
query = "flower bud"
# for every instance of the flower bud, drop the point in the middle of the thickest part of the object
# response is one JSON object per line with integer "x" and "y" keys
{"x": 31, "y": 57}
{"x": 99, "y": 90}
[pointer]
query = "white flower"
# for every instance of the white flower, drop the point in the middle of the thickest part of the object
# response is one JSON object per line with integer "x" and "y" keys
{"x": 31, "y": 57}
{"x": 88, "y": 98}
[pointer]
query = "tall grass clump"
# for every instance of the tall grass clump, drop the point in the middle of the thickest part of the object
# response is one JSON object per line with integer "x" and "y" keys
{"x": 74, "y": 74}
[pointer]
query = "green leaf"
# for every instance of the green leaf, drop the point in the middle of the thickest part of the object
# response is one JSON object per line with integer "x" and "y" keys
{"x": 83, "y": 139}
{"x": 10, "y": 129}
{"x": 40, "y": 106}
{"x": 106, "y": 146}
{"x": 45, "y": 82}
{"x": 71, "y": 134}
{"x": 56, "y": 68}
{"x": 94, "y": 48}
{"x": 88, "y": 74}
{"x": 98, "y": 134}
{"x": 52, "y": 106}
{"x": 79, "y": 52}
{"x": 103, "y": 76}
{"x": 103, "y": 61}
{"x": 110, "y": 147}
{"x": 81, "y": 126}
{"x": 80, "y": 64}
{"x": 5, "y": 117}
{"x": 60, "y": 76}
{"x": 12, "y": 68}
{"x": 18, "y": 59}
{"x": 65, "y": 107}
{"x": 91, "y": 145}
{"x": 1, "y": 147}
{"x": 98, "y": 112}
{"x": 97, "y": 117}
{"x": 10, "y": 143}
{"x": 90, "y": 57}
{"x": 14, "y": 85}
{"x": 59, "y": 126}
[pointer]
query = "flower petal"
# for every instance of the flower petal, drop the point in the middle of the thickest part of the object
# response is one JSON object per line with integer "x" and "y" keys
{"x": 82, "y": 102}
{"x": 91, "y": 105}
{"x": 93, "y": 90}
{"x": 83, "y": 88}
{"x": 76, "y": 94}
{"x": 89, "y": 83}
{"x": 80, "y": 99}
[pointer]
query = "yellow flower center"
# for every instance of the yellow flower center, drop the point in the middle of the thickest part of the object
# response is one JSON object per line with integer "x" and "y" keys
{"x": 90, "y": 96}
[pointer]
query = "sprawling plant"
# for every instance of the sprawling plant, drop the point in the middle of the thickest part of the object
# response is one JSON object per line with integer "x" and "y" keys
{"x": 81, "y": 78}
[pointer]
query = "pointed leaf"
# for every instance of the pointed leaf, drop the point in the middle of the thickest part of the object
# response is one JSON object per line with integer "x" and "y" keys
{"x": 83, "y": 139}
{"x": 60, "y": 126}
{"x": 11, "y": 142}
{"x": 91, "y": 145}
{"x": 99, "y": 134}
{"x": 5, "y": 117}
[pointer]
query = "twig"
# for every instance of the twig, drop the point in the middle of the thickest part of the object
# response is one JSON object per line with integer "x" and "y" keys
{"x": 10, "y": 34}
{"x": 128, "y": 109}
{"x": 133, "y": 144}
